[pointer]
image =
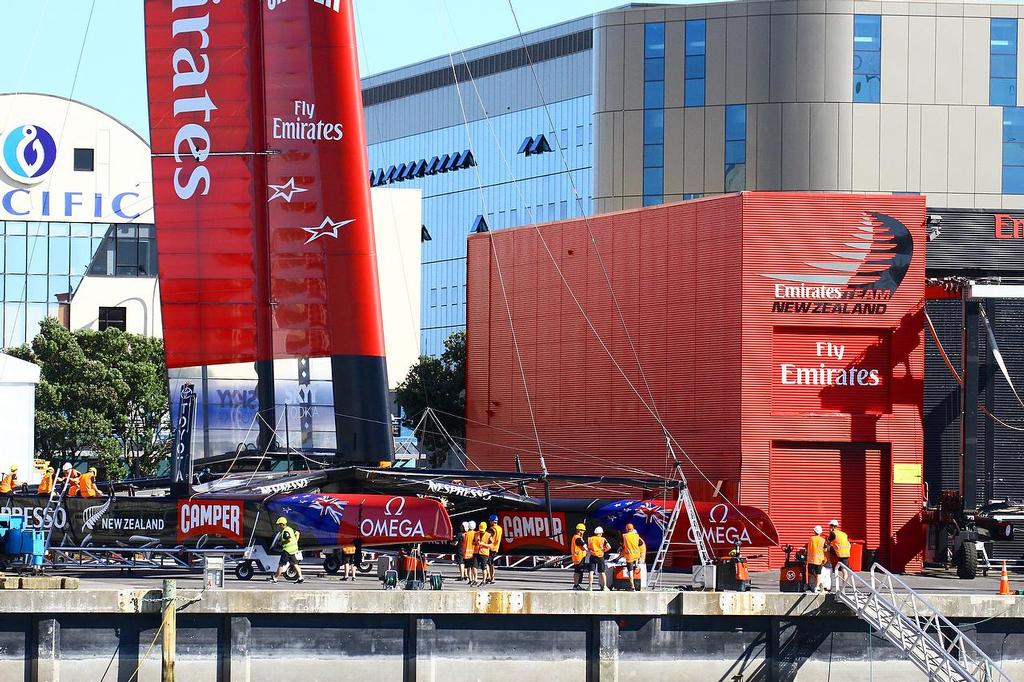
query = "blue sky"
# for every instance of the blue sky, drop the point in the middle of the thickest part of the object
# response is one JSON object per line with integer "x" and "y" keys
{"x": 43, "y": 40}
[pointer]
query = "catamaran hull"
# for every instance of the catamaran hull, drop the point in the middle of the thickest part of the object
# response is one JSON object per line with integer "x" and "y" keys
{"x": 323, "y": 520}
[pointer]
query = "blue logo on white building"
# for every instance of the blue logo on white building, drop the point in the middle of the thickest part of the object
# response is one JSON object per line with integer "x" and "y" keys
{"x": 28, "y": 153}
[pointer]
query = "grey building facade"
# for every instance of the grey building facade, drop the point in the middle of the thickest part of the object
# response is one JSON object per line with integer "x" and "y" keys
{"x": 827, "y": 95}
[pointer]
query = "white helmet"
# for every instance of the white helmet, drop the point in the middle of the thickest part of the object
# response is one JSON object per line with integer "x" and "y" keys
{"x": 833, "y": 523}
{"x": 472, "y": 525}
{"x": 598, "y": 531}
{"x": 817, "y": 530}
{"x": 465, "y": 525}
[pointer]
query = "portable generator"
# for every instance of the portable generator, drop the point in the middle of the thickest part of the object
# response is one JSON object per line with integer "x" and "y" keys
{"x": 791, "y": 576}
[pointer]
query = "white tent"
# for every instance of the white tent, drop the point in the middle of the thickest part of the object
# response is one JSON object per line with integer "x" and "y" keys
{"x": 18, "y": 381}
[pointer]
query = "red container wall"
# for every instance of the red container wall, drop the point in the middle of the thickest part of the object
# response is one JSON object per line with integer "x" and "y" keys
{"x": 722, "y": 360}
{"x": 592, "y": 402}
{"x": 815, "y": 240}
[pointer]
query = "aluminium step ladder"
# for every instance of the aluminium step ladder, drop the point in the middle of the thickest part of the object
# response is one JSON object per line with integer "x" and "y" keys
{"x": 683, "y": 501}
{"x": 57, "y": 494}
{"x": 937, "y": 647}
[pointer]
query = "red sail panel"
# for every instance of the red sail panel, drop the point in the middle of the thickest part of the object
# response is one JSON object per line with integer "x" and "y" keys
{"x": 323, "y": 273}
{"x": 203, "y": 130}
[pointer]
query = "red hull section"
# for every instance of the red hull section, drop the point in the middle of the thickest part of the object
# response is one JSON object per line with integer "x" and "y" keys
{"x": 780, "y": 340}
{"x": 260, "y": 182}
{"x": 327, "y": 519}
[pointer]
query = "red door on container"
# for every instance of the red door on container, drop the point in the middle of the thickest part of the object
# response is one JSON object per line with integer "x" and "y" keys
{"x": 812, "y": 483}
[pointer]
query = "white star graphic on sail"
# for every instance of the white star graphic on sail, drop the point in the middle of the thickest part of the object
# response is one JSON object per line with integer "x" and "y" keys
{"x": 328, "y": 228}
{"x": 285, "y": 191}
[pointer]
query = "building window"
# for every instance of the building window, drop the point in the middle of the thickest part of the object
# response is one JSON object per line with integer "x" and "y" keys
{"x": 867, "y": 58}
{"x": 115, "y": 318}
{"x": 1002, "y": 82}
{"x": 735, "y": 147}
{"x": 84, "y": 159}
{"x": 1013, "y": 150}
{"x": 126, "y": 251}
{"x": 696, "y": 50}
{"x": 654, "y": 113}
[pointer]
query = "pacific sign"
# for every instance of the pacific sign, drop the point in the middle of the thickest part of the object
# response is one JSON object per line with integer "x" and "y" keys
{"x": 28, "y": 154}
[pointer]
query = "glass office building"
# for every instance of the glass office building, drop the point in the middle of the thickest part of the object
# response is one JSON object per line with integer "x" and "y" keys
{"x": 516, "y": 165}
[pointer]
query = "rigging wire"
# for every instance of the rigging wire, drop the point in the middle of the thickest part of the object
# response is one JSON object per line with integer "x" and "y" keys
{"x": 413, "y": 323}
{"x": 579, "y": 202}
{"x": 652, "y": 409}
{"x": 490, "y": 239}
{"x": 60, "y": 138}
{"x": 589, "y": 459}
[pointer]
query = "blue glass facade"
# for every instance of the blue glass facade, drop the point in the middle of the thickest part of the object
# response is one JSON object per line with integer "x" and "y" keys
{"x": 867, "y": 58}
{"x": 654, "y": 113}
{"x": 40, "y": 260}
{"x": 1013, "y": 150}
{"x": 506, "y": 188}
{"x": 1003, "y": 63}
{"x": 695, "y": 63}
{"x": 735, "y": 147}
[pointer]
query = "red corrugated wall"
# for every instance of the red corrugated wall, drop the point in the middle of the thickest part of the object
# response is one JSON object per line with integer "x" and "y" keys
{"x": 692, "y": 286}
{"x": 688, "y": 348}
{"x": 795, "y": 235}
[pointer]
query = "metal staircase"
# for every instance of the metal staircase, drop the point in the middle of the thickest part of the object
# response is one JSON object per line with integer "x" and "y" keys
{"x": 57, "y": 494}
{"x": 905, "y": 618}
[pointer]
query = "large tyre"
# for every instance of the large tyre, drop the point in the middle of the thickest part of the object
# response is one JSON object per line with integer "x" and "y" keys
{"x": 331, "y": 563}
{"x": 967, "y": 562}
{"x": 291, "y": 573}
{"x": 244, "y": 570}
{"x": 365, "y": 566}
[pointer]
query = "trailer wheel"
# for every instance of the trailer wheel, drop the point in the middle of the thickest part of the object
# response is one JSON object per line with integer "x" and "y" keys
{"x": 967, "y": 562}
{"x": 291, "y": 573}
{"x": 365, "y": 566}
{"x": 244, "y": 570}
{"x": 331, "y": 563}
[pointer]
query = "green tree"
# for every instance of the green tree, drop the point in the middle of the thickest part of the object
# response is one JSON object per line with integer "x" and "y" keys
{"x": 102, "y": 396}
{"x": 439, "y": 383}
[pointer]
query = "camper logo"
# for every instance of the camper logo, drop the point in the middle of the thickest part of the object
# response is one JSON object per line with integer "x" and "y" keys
{"x": 27, "y": 153}
{"x": 860, "y": 275}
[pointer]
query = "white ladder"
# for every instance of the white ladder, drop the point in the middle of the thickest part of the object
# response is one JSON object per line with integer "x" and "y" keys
{"x": 905, "y": 618}
{"x": 654, "y": 575}
{"x": 685, "y": 501}
{"x": 56, "y": 499}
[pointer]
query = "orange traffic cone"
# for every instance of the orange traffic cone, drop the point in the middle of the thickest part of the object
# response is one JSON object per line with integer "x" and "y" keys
{"x": 1004, "y": 581}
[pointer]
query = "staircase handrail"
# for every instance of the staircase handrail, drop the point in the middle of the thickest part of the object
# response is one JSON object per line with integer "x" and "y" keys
{"x": 914, "y": 622}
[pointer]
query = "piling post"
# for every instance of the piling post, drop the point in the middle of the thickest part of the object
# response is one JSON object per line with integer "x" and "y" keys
{"x": 169, "y": 624}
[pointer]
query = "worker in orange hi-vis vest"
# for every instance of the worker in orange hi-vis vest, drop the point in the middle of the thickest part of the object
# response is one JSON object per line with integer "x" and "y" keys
{"x": 839, "y": 543}
{"x": 87, "y": 484}
{"x": 46, "y": 484}
{"x": 815, "y": 559}
{"x": 9, "y": 482}
{"x": 463, "y": 569}
{"x": 482, "y": 542}
{"x": 598, "y": 547}
{"x": 578, "y": 554}
{"x": 633, "y": 551}
{"x": 469, "y": 551}
{"x": 496, "y": 534}
{"x": 74, "y": 476}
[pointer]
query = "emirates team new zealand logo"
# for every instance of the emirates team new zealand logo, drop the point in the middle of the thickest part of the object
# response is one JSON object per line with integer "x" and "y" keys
{"x": 863, "y": 272}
